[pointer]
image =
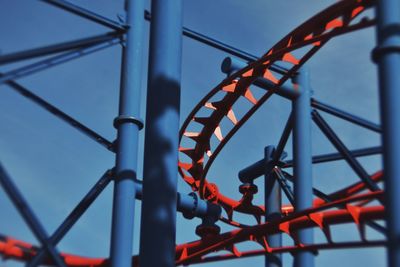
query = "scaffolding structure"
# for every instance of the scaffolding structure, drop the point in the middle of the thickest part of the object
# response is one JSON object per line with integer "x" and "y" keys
{"x": 190, "y": 150}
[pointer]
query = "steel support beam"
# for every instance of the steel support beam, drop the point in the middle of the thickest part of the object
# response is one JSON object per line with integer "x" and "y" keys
{"x": 128, "y": 126}
{"x": 60, "y": 114}
{"x": 56, "y": 48}
{"x": 363, "y": 152}
{"x": 302, "y": 168}
{"x": 272, "y": 198}
{"x": 281, "y": 178}
{"x": 87, "y": 14}
{"x": 161, "y": 139}
{"x": 339, "y": 145}
{"x": 186, "y": 32}
{"x": 222, "y": 46}
{"x": 345, "y": 115}
{"x": 73, "y": 217}
{"x": 28, "y": 215}
{"x": 387, "y": 56}
{"x": 248, "y": 174}
{"x": 56, "y": 60}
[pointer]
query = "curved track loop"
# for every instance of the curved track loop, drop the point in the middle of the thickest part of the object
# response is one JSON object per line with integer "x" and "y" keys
{"x": 201, "y": 147}
{"x": 348, "y": 205}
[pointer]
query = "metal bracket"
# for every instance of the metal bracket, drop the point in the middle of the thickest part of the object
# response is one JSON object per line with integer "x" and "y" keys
{"x": 124, "y": 118}
{"x": 378, "y": 51}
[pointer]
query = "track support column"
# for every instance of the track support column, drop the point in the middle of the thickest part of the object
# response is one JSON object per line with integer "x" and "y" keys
{"x": 387, "y": 56}
{"x": 272, "y": 207}
{"x": 160, "y": 172}
{"x": 128, "y": 126}
{"x": 302, "y": 168}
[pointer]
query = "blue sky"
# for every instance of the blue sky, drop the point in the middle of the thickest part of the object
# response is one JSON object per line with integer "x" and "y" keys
{"x": 54, "y": 165}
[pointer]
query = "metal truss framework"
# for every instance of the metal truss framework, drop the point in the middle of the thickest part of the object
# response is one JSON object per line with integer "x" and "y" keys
{"x": 362, "y": 203}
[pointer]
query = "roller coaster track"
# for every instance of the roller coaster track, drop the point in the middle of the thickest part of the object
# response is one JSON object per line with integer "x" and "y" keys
{"x": 357, "y": 203}
{"x": 339, "y": 19}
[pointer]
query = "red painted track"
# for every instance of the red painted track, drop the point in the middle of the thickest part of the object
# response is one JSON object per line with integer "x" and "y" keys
{"x": 200, "y": 147}
{"x": 296, "y": 48}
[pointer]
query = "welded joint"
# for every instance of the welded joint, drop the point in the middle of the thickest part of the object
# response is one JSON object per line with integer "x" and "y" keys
{"x": 122, "y": 21}
{"x": 252, "y": 172}
{"x": 110, "y": 173}
{"x": 127, "y": 119}
{"x": 198, "y": 208}
{"x": 191, "y": 206}
{"x": 122, "y": 41}
{"x": 208, "y": 226}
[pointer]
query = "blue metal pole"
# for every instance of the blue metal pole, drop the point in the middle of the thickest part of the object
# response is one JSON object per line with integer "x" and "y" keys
{"x": 387, "y": 56}
{"x": 128, "y": 126}
{"x": 302, "y": 162}
{"x": 160, "y": 172}
{"x": 272, "y": 208}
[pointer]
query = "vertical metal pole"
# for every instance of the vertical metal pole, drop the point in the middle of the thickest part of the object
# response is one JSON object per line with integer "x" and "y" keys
{"x": 160, "y": 172}
{"x": 387, "y": 57}
{"x": 302, "y": 168}
{"x": 127, "y": 139}
{"x": 272, "y": 208}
